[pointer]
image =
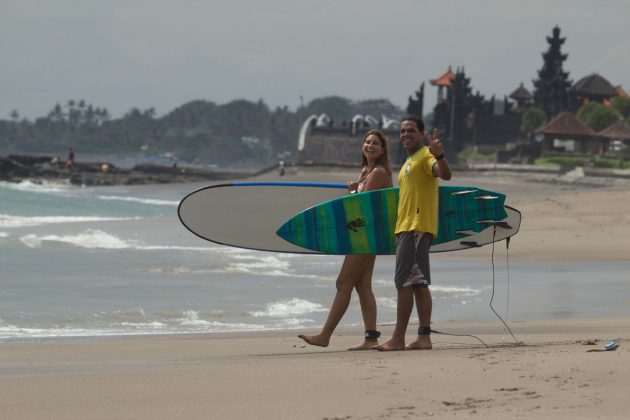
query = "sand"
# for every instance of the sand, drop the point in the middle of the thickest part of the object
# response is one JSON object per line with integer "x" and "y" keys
{"x": 273, "y": 375}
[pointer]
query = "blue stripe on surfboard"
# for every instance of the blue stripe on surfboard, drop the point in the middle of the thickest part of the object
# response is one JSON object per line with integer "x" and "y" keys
{"x": 289, "y": 184}
{"x": 343, "y": 241}
{"x": 379, "y": 238}
{"x": 311, "y": 226}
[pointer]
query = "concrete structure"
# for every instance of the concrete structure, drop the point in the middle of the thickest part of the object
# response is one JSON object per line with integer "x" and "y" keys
{"x": 328, "y": 144}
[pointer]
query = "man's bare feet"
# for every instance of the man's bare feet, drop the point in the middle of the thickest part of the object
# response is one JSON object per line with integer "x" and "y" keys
{"x": 366, "y": 345}
{"x": 315, "y": 340}
{"x": 423, "y": 342}
{"x": 392, "y": 345}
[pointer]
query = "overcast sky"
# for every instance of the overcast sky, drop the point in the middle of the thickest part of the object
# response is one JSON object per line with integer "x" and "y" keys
{"x": 152, "y": 53}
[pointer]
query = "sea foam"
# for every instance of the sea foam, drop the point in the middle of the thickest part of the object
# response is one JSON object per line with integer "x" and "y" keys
{"x": 289, "y": 307}
{"x": 10, "y": 221}
{"x": 43, "y": 187}
{"x": 150, "y": 201}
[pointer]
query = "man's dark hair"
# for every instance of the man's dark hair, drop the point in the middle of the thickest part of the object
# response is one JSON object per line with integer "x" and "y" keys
{"x": 416, "y": 119}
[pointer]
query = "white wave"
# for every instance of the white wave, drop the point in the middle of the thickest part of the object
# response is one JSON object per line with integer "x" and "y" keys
{"x": 293, "y": 323}
{"x": 132, "y": 312}
{"x": 173, "y": 248}
{"x": 387, "y": 302}
{"x": 88, "y": 239}
{"x": 9, "y": 221}
{"x": 290, "y": 307}
{"x": 269, "y": 265}
{"x": 94, "y": 238}
{"x": 453, "y": 292}
{"x": 179, "y": 270}
{"x": 4, "y": 235}
{"x": 192, "y": 318}
{"x": 43, "y": 187}
{"x": 144, "y": 325}
{"x": 151, "y": 201}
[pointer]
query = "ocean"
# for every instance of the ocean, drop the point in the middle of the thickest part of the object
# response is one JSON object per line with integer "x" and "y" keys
{"x": 106, "y": 261}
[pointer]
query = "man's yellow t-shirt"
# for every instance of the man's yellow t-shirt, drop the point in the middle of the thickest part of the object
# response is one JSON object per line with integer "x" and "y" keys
{"x": 418, "y": 196}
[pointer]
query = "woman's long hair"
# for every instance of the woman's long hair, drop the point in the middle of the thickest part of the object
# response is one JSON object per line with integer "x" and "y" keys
{"x": 383, "y": 160}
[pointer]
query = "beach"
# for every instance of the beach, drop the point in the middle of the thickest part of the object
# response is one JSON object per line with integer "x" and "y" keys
{"x": 272, "y": 374}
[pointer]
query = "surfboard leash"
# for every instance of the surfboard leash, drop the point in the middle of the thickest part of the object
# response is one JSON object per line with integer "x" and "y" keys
{"x": 506, "y": 327}
{"x": 460, "y": 335}
{"x": 507, "y": 247}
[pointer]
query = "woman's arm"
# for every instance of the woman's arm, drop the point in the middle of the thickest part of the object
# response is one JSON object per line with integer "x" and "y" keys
{"x": 378, "y": 179}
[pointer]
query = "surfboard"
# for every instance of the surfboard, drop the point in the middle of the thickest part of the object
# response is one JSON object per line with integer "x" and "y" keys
{"x": 364, "y": 223}
{"x": 247, "y": 214}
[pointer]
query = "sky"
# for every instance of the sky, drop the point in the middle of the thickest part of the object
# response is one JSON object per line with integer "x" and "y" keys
{"x": 153, "y": 53}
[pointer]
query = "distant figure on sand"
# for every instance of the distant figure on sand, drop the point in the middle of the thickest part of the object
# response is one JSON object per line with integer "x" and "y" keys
{"x": 415, "y": 229}
{"x": 70, "y": 160}
{"x": 281, "y": 168}
{"x": 356, "y": 270}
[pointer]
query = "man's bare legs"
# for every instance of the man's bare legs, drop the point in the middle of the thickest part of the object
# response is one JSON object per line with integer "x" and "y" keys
{"x": 353, "y": 271}
{"x": 424, "y": 304}
{"x": 403, "y": 312}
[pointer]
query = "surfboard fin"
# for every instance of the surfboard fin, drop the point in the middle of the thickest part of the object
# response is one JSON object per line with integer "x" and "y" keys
{"x": 497, "y": 223}
{"x": 463, "y": 192}
{"x": 470, "y": 244}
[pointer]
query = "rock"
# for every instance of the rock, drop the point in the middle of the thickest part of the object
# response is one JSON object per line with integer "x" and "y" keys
{"x": 16, "y": 168}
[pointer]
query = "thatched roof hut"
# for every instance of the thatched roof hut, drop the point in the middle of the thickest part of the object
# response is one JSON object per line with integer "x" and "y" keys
{"x": 565, "y": 133}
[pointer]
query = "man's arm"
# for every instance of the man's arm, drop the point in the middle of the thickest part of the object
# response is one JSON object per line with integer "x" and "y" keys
{"x": 441, "y": 169}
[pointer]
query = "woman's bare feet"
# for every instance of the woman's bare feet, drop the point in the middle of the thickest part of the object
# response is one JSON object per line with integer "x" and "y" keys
{"x": 315, "y": 340}
{"x": 366, "y": 345}
{"x": 392, "y": 345}
{"x": 423, "y": 342}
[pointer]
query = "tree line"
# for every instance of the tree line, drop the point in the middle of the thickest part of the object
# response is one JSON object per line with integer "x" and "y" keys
{"x": 239, "y": 131}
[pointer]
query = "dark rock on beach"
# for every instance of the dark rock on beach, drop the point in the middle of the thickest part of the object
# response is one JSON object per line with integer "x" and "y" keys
{"x": 16, "y": 168}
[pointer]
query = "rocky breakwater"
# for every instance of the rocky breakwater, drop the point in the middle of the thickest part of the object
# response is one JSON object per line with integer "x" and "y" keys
{"x": 17, "y": 168}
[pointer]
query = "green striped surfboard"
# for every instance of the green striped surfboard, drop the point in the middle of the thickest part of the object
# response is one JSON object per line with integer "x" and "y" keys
{"x": 364, "y": 223}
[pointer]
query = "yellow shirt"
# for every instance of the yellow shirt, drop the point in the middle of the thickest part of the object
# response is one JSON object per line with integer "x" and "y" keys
{"x": 418, "y": 196}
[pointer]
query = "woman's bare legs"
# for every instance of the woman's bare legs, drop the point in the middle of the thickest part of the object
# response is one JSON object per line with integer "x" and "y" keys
{"x": 352, "y": 271}
{"x": 368, "y": 305}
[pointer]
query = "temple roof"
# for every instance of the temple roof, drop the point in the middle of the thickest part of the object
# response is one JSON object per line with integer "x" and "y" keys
{"x": 521, "y": 93}
{"x": 444, "y": 80}
{"x": 595, "y": 85}
{"x": 566, "y": 124}
{"x": 618, "y": 131}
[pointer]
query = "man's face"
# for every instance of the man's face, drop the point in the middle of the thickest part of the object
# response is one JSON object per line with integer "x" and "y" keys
{"x": 410, "y": 136}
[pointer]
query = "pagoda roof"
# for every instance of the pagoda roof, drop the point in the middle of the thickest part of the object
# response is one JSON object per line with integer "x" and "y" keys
{"x": 521, "y": 93}
{"x": 567, "y": 125}
{"x": 444, "y": 79}
{"x": 595, "y": 85}
{"x": 618, "y": 131}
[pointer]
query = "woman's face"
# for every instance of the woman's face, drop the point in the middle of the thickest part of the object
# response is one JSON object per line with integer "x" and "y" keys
{"x": 372, "y": 147}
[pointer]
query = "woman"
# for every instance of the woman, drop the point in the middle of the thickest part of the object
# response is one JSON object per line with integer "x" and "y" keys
{"x": 356, "y": 270}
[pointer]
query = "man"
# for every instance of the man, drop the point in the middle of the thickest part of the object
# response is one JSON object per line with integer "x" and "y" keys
{"x": 415, "y": 229}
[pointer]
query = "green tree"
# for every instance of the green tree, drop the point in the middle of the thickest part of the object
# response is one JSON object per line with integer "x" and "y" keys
{"x": 532, "y": 119}
{"x": 621, "y": 105}
{"x": 336, "y": 107}
{"x": 377, "y": 107}
{"x": 597, "y": 116}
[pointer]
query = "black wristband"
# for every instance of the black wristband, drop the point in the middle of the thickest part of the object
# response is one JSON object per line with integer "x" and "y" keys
{"x": 440, "y": 157}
